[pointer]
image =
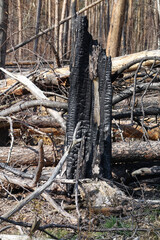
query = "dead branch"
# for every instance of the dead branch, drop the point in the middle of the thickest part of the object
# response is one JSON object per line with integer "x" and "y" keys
{"x": 21, "y": 174}
{"x": 27, "y": 184}
{"x": 58, "y": 208}
{"x": 146, "y": 171}
{"x": 137, "y": 112}
{"x": 129, "y": 91}
{"x": 29, "y": 104}
{"x": 37, "y": 93}
{"x": 40, "y": 163}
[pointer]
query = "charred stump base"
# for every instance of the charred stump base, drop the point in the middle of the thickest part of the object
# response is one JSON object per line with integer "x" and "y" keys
{"x": 90, "y": 103}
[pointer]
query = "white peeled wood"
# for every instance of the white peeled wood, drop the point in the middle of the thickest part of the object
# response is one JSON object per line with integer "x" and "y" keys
{"x": 37, "y": 93}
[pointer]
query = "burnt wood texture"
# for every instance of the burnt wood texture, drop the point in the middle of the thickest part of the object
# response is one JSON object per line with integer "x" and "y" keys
{"x": 90, "y": 102}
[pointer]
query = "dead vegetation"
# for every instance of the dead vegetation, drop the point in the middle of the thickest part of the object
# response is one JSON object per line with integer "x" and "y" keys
{"x": 128, "y": 206}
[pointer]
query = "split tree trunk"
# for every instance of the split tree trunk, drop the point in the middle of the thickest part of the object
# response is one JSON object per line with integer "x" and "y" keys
{"x": 90, "y": 96}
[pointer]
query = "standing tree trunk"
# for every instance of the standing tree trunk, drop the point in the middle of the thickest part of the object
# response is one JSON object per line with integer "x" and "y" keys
{"x": 3, "y": 32}
{"x": 61, "y": 29}
{"x": 73, "y": 28}
{"x": 57, "y": 26}
{"x": 19, "y": 27}
{"x": 39, "y": 4}
{"x": 115, "y": 31}
{"x": 3, "y": 37}
{"x": 158, "y": 9}
{"x": 90, "y": 103}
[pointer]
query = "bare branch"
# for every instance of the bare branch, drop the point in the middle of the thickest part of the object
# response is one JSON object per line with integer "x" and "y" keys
{"x": 29, "y": 104}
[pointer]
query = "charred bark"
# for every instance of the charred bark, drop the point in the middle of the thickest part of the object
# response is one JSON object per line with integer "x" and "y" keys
{"x": 90, "y": 102}
{"x": 105, "y": 93}
{"x": 80, "y": 92}
{"x": 3, "y": 33}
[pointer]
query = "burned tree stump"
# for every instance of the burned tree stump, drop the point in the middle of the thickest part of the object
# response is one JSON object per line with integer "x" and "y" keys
{"x": 90, "y": 102}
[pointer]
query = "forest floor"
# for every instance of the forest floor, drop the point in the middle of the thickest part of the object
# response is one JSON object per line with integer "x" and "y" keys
{"x": 134, "y": 221}
{"x": 142, "y": 222}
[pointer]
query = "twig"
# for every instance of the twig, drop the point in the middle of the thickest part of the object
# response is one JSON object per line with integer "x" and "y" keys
{"x": 119, "y": 129}
{"x": 12, "y": 138}
{"x": 58, "y": 208}
{"x": 134, "y": 90}
{"x": 75, "y": 227}
{"x": 40, "y": 163}
{"x": 5, "y": 228}
{"x": 142, "y": 106}
{"x": 55, "y": 94}
{"x": 8, "y": 191}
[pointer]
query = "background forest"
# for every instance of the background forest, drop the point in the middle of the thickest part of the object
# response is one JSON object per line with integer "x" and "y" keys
{"x": 139, "y": 30}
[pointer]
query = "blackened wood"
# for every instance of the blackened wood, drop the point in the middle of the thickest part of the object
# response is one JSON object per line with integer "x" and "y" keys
{"x": 137, "y": 112}
{"x": 105, "y": 93}
{"x": 80, "y": 91}
{"x": 3, "y": 33}
{"x": 90, "y": 102}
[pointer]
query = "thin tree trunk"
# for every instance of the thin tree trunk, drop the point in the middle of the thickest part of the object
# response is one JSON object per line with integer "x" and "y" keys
{"x": 73, "y": 19}
{"x": 19, "y": 26}
{"x": 3, "y": 33}
{"x": 39, "y": 4}
{"x": 61, "y": 33}
{"x": 158, "y": 9}
{"x": 115, "y": 32}
{"x": 57, "y": 26}
{"x": 49, "y": 13}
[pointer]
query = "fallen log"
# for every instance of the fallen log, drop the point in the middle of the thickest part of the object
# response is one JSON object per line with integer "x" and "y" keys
{"x": 122, "y": 61}
{"x": 27, "y": 155}
{"x": 35, "y": 120}
{"x": 121, "y": 152}
{"x": 135, "y": 151}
